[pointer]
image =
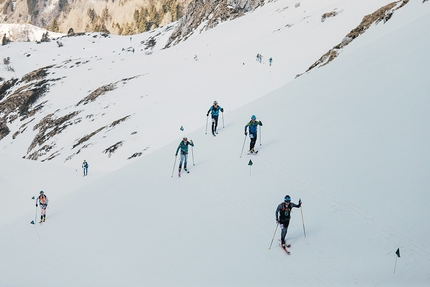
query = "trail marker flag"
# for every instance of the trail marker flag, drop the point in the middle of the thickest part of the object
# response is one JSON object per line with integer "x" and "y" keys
{"x": 398, "y": 256}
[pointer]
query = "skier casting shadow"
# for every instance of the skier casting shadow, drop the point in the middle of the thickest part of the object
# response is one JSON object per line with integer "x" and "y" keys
{"x": 214, "y": 110}
{"x": 183, "y": 146}
{"x": 252, "y": 127}
{"x": 283, "y": 216}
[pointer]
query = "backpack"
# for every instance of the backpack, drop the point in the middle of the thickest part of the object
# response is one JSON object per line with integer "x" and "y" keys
{"x": 285, "y": 211}
{"x": 42, "y": 199}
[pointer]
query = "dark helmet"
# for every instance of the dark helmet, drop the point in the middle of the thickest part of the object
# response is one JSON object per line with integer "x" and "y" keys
{"x": 41, "y": 192}
{"x": 287, "y": 198}
{"x": 215, "y": 103}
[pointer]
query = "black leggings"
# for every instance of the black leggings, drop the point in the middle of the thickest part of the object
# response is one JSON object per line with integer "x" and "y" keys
{"x": 214, "y": 123}
{"x": 284, "y": 228}
{"x": 253, "y": 137}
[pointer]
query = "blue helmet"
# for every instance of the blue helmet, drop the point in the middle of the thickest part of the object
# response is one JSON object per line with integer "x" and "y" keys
{"x": 287, "y": 198}
{"x": 253, "y": 117}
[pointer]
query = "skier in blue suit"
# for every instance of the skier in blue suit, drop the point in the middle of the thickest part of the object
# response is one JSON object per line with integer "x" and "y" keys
{"x": 252, "y": 127}
{"x": 214, "y": 110}
{"x": 85, "y": 167}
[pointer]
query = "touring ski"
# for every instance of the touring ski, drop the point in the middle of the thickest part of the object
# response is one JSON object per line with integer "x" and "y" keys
{"x": 286, "y": 244}
{"x": 285, "y": 248}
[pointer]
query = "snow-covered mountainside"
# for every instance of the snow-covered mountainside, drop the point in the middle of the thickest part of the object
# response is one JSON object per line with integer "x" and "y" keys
{"x": 349, "y": 138}
{"x": 99, "y": 96}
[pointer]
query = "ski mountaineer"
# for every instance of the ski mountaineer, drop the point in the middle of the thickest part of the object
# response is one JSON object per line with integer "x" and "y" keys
{"x": 42, "y": 200}
{"x": 85, "y": 167}
{"x": 283, "y": 216}
{"x": 252, "y": 127}
{"x": 214, "y": 110}
{"x": 183, "y": 146}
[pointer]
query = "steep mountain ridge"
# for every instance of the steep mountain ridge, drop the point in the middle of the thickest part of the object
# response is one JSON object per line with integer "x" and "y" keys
{"x": 62, "y": 111}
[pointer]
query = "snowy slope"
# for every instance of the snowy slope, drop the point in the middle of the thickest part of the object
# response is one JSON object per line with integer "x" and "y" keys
{"x": 25, "y": 32}
{"x": 349, "y": 139}
{"x": 168, "y": 88}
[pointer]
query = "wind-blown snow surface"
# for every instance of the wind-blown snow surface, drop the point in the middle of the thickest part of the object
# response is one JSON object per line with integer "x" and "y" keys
{"x": 351, "y": 139}
{"x": 169, "y": 88}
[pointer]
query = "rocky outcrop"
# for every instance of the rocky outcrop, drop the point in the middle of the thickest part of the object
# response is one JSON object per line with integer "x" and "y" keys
{"x": 383, "y": 14}
{"x": 48, "y": 127}
{"x": 19, "y": 98}
{"x": 202, "y": 15}
{"x": 102, "y": 90}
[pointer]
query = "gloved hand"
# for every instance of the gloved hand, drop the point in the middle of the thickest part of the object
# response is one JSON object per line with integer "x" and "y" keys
{"x": 36, "y": 205}
{"x": 191, "y": 141}
{"x": 222, "y": 110}
{"x": 277, "y": 221}
{"x": 207, "y": 114}
{"x": 261, "y": 123}
{"x": 300, "y": 202}
{"x": 246, "y": 133}
{"x": 176, "y": 154}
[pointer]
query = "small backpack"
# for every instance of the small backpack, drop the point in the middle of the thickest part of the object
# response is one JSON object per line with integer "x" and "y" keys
{"x": 42, "y": 199}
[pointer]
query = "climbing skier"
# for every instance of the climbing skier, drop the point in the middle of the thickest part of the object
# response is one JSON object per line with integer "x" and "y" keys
{"x": 214, "y": 110}
{"x": 85, "y": 167}
{"x": 183, "y": 146}
{"x": 252, "y": 127}
{"x": 42, "y": 200}
{"x": 283, "y": 216}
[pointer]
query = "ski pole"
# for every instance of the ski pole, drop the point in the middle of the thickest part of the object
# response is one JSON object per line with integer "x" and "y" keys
{"x": 174, "y": 165}
{"x": 273, "y": 236}
{"x": 207, "y": 118}
{"x": 261, "y": 134}
{"x": 243, "y": 146}
{"x": 222, "y": 113}
{"x": 303, "y": 220}
{"x": 192, "y": 154}
{"x": 35, "y": 216}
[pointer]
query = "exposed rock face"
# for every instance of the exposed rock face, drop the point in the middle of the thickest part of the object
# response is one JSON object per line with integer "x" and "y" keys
{"x": 202, "y": 15}
{"x": 18, "y": 97}
{"x": 21, "y": 99}
{"x": 382, "y": 14}
{"x": 48, "y": 127}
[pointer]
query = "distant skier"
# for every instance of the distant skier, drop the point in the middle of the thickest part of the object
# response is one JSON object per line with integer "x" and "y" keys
{"x": 183, "y": 146}
{"x": 270, "y": 61}
{"x": 283, "y": 215}
{"x": 214, "y": 110}
{"x": 252, "y": 127}
{"x": 85, "y": 167}
{"x": 42, "y": 200}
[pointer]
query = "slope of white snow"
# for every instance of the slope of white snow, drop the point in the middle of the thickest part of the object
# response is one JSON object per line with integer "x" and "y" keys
{"x": 350, "y": 139}
{"x": 180, "y": 82}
